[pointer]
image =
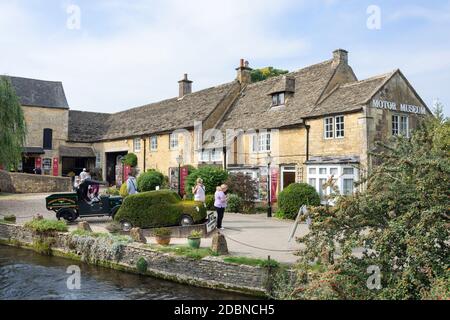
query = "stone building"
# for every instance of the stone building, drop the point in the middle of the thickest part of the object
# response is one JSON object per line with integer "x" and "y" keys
{"x": 317, "y": 122}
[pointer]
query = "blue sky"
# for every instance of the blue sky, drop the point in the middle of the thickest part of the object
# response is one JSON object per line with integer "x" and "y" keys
{"x": 129, "y": 53}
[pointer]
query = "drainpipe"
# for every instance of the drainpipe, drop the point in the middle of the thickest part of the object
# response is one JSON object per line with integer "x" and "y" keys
{"x": 225, "y": 158}
{"x": 145, "y": 154}
{"x": 307, "y": 141}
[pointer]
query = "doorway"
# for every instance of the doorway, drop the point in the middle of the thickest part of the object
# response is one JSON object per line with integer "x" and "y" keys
{"x": 113, "y": 162}
{"x": 288, "y": 175}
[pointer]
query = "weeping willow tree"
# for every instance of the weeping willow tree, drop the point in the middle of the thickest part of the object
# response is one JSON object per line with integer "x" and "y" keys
{"x": 12, "y": 125}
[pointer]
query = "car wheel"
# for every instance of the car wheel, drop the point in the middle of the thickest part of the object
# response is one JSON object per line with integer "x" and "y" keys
{"x": 68, "y": 215}
{"x": 186, "y": 220}
{"x": 126, "y": 225}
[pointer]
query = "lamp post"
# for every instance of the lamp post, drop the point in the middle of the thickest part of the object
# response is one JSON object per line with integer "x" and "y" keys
{"x": 269, "y": 197}
{"x": 179, "y": 161}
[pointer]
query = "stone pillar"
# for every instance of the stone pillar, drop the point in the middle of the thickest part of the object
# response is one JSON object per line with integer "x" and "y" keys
{"x": 219, "y": 244}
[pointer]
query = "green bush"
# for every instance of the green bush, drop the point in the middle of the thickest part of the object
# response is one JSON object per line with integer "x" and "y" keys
{"x": 162, "y": 232}
{"x": 123, "y": 191}
{"x": 130, "y": 160}
{"x": 234, "y": 203}
{"x": 158, "y": 209}
{"x": 44, "y": 226}
{"x": 149, "y": 180}
{"x": 293, "y": 197}
{"x": 212, "y": 177}
{"x": 209, "y": 202}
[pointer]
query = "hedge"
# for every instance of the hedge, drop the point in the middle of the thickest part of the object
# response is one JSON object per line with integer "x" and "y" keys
{"x": 234, "y": 204}
{"x": 148, "y": 181}
{"x": 158, "y": 209}
{"x": 293, "y": 197}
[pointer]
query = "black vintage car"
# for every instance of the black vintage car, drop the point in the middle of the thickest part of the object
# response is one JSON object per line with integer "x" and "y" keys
{"x": 85, "y": 202}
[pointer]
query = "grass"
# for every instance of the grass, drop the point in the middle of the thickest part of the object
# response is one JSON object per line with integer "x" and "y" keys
{"x": 44, "y": 225}
{"x": 252, "y": 262}
{"x": 186, "y": 251}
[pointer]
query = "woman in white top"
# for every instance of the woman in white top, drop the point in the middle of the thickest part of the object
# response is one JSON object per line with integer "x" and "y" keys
{"x": 199, "y": 191}
{"x": 132, "y": 183}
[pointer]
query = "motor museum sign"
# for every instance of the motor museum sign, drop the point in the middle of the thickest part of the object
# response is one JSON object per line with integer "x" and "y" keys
{"x": 389, "y": 105}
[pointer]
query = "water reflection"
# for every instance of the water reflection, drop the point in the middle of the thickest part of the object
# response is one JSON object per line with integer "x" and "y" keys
{"x": 27, "y": 275}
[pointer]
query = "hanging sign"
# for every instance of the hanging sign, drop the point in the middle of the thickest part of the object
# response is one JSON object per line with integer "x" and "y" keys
{"x": 273, "y": 184}
{"x": 55, "y": 167}
{"x": 38, "y": 162}
{"x": 126, "y": 172}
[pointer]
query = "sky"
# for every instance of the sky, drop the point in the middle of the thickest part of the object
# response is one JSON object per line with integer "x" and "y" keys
{"x": 112, "y": 55}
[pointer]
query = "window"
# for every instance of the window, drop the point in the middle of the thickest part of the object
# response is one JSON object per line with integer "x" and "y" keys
{"x": 173, "y": 141}
{"x": 46, "y": 164}
{"x": 48, "y": 139}
{"x": 344, "y": 178}
{"x": 216, "y": 155}
{"x": 334, "y": 127}
{"x": 278, "y": 99}
{"x": 400, "y": 125}
{"x": 261, "y": 142}
{"x": 347, "y": 188}
{"x": 339, "y": 127}
{"x": 329, "y": 134}
{"x": 137, "y": 145}
{"x": 154, "y": 143}
{"x": 204, "y": 156}
{"x": 395, "y": 126}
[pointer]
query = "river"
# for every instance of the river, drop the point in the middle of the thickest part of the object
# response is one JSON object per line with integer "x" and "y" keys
{"x": 25, "y": 275}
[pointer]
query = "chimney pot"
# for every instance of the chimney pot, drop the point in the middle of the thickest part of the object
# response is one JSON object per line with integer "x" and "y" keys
{"x": 244, "y": 72}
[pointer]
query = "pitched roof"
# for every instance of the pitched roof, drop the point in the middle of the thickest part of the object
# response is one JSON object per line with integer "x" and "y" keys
{"x": 253, "y": 109}
{"x": 39, "y": 93}
{"x": 76, "y": 152}
{"x": 349, "y": 97}
{"x": 163, "y": 116}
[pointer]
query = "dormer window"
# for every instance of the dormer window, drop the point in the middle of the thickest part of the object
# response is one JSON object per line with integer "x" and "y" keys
{"x": 278, "y": 99}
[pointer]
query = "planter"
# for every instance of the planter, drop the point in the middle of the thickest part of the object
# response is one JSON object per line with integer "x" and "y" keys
{"x": 163, "y": 240}
{"x": 194, "y": 242}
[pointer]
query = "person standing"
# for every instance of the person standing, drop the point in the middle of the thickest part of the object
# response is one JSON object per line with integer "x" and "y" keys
{"x": 199, "y": 191}
{"x": 83, "y": 175}
{"x": 131, "y": 182}
{"x": 220, "y": 203}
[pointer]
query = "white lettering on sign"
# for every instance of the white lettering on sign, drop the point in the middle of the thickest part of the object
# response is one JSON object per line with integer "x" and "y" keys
{"x": 389, "y": 105}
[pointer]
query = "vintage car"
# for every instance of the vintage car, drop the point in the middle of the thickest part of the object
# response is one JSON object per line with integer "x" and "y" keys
{"x": 85, "y": 202}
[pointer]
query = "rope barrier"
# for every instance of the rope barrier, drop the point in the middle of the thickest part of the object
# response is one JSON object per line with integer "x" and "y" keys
{"x": 255, "y": 247}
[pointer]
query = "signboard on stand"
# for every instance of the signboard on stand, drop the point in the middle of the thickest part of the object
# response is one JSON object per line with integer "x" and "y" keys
{"x": 273, "y": 184}
{"x": 212, "y": 222}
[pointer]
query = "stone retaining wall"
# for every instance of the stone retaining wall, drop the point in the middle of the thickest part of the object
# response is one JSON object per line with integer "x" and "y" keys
{"x": 12, "y": 182}
{"x": 209, "y": 272}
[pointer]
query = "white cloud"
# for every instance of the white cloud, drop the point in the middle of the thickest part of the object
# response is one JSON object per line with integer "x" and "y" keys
{"x": 420, "y": 12}
{"x": 153, "y": 45}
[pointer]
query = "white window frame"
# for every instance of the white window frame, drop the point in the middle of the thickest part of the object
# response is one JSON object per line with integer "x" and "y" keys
{"x": 340, "y": 176}
{"x": 153, "y": 143}
{"x": 173, "y": 141}
{"x": 278, "y": 99}
{"x": 261, "y": 142}
{"x": 395, "y": 123}
{"x": 404, "y": 127}
{"x": 137, "y": 144}
{"x": 216, "y": 155}
{"x": 328, "y": 125}
{"x": 339, "y": 132}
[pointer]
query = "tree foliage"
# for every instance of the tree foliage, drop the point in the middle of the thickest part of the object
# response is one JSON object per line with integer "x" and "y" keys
{"x": 130, "y": 160}
{"x": 400, "y": 225}
{"x": 246, "y": 188}
{"x": 266, "y": 73}
{"x": 12, "y": 124}
{"x": 212, "y": 177}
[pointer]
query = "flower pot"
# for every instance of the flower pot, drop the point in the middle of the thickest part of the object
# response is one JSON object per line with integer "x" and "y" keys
{"x": 163, "y": 241}
{"x": 194, "y": 242}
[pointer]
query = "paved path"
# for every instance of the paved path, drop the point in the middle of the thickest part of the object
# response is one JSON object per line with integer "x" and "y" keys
{"x": 248, "y": 235}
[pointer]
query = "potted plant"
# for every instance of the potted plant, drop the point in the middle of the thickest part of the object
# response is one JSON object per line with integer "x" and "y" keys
{"x": 194, "y": 239}
{"x": 162, "y": 236}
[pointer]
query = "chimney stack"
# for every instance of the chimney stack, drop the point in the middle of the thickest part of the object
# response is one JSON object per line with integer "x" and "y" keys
{"x": 340, "y": 56}
{"x": 185, "y": 86}
{"x": 244, "y": 73}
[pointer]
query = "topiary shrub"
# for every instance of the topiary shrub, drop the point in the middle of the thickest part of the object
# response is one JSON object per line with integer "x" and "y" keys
{"x": 234, "y": 203}
{"x": 149, "y": 180}
{"x": 142, "y": 265}
{"x": 124, "y": 190}
{"x": 293, "y": 197}
{"x": 212, "y": 177}
{"x": 158, "y": 209}
{"x": 130, "y": 160}
{"x": 209, "y": 202}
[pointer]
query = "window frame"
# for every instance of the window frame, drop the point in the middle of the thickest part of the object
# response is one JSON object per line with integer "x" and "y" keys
{"x": 154, "y": 143}
{"x": 137, "y": 145}
{"x": 278, "y": 99}
{"x": 49, "y": 145}
{"x": 339, "y": 133}
{"x": 173, "y": 141}
{"x": 262, "y": 142}
{"x": 327, "y": 129}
